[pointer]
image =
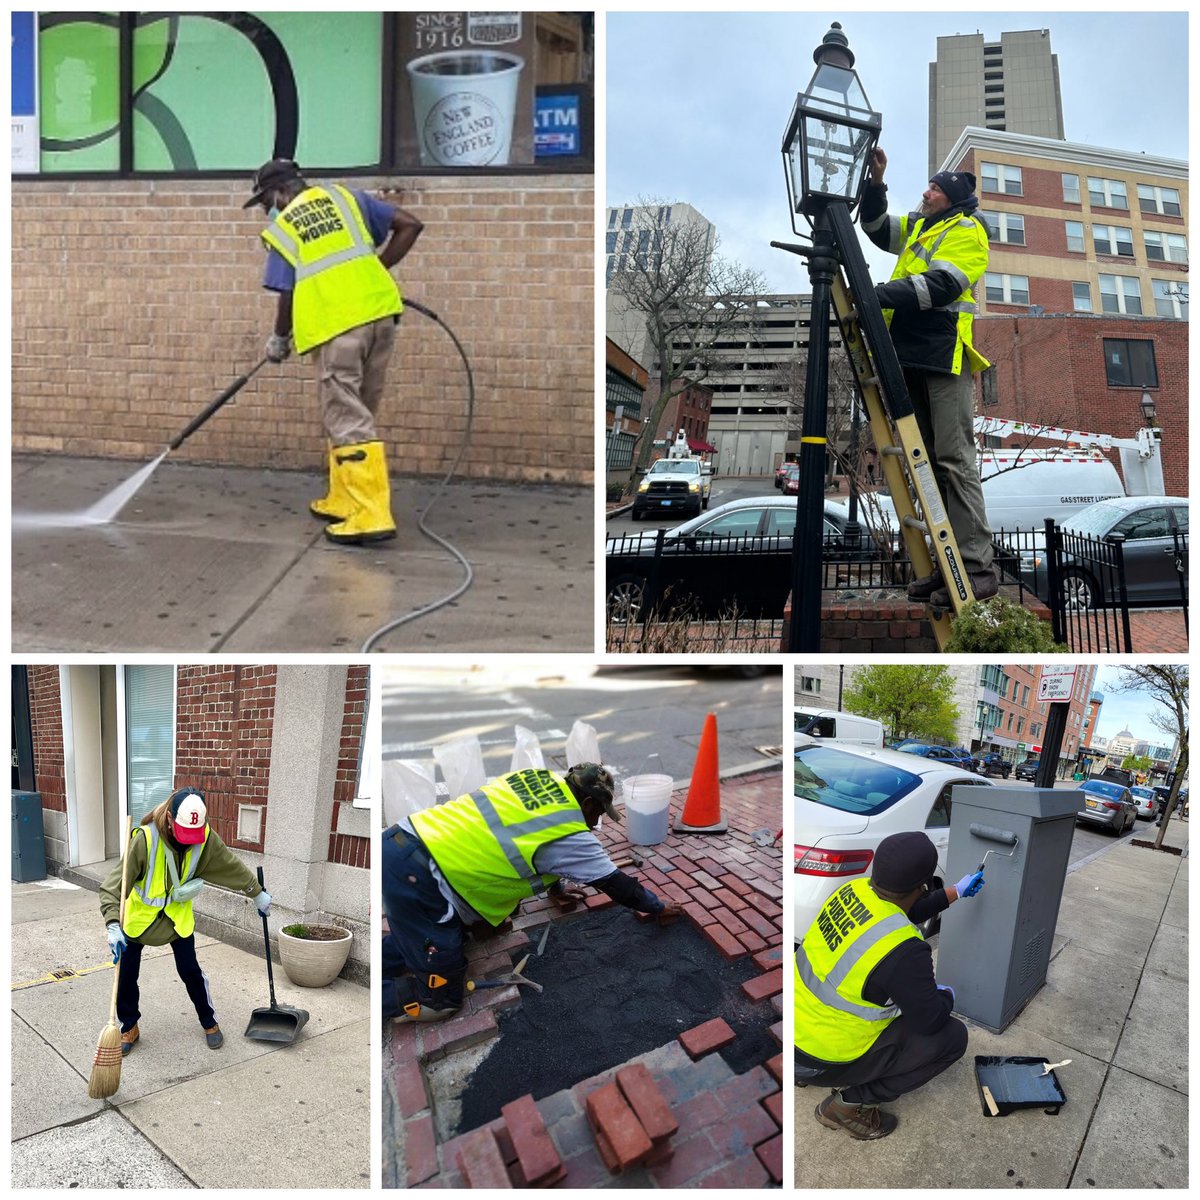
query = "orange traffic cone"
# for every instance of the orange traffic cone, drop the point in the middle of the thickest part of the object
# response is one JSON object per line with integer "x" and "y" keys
{"x": 702, "y": 809}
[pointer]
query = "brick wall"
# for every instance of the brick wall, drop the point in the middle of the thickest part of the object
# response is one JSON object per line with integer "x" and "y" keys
{"x": 350, "y": 849}
{"x": 45, "y": 718}
{"x": 136, "y": 302}
{"x": 223, "y": 724}
{"x": 1051, "y": 369}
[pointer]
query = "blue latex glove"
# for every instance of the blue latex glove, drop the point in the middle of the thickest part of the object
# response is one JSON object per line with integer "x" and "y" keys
{"x": 968, "y": 885}
{"x": 116, "y": 940}
{"x": 945, "y": 987}
{"x": 263, "y": 900}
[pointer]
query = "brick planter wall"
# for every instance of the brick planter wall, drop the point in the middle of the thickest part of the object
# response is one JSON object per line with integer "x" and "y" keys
{"x": 887, "y": 627}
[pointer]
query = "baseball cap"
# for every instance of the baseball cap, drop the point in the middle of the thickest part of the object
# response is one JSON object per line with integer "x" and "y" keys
{"x": 904, "y": 861}
{"x": 591, "y": 779}
{"x": 190, "y": 816}
{"x": 271, "y": 174}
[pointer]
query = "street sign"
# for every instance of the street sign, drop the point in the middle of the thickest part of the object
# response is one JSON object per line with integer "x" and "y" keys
{"x": 1056, "y": 684}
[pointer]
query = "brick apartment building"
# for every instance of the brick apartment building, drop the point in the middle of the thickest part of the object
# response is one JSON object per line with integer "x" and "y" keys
{"x": 625, "y": 382}
{"x": 279, "y": 753}
{"x": 1010, "y": 720}
{"x": 136, "y": 273}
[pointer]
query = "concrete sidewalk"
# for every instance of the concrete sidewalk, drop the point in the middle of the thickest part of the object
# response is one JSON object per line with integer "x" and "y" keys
{"x": 248, "y": 1115}
{"x": 1115, "y": 1002}
{"x": 223, "y": 558}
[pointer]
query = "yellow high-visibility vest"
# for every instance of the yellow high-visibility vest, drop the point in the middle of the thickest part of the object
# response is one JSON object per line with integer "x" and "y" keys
{"x": 151, "y": 895}
{"x": 340, "y": 282}
{"x": 484, "y": 842}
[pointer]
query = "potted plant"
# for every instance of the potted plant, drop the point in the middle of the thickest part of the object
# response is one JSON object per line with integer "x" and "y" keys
{"x": 313, "y": 955}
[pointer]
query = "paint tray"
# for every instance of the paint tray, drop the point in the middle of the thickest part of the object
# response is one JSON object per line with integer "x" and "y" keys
{"x": 1017, "y": 1083}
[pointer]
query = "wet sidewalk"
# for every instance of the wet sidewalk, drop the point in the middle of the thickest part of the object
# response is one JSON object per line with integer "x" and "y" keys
{"x": 229, "y": 559}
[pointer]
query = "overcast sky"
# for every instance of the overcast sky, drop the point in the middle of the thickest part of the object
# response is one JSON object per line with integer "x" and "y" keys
{"x": 1126, "y": 710}
{"x": 697, "y": 104}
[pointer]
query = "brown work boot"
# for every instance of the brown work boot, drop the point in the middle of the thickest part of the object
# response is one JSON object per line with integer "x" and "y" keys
{"x": 214, "y": 1038}
{"x": 985, "y": 584}
{"x": 865, "y": 1122}
{"x": 128, "y": 1037}
{"x": 923, "y": 588}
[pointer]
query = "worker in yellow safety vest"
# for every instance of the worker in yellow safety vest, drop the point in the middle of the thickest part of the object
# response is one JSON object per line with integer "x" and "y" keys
{"x": 336, "y": 297}
{"x": 930, "y": 309}
{"x": 470, "y": 862}
{"x": 172, "y": 854}
{"x": 870, "y": 1021}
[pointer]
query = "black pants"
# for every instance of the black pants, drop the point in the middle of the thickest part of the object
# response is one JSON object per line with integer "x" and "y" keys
{"x": 900, "y": 1061}
{"x": 186, "y": 965}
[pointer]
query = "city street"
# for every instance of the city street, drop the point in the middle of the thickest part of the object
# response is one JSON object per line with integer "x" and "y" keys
{"x": 723, "y": 490}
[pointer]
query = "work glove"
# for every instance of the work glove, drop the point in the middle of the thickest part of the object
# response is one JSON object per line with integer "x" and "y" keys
{"x": 116, "y": 939}
{"x": 278, "y": 347}
{"x": 263, "y": 900}
{"x": 969, "y": 884}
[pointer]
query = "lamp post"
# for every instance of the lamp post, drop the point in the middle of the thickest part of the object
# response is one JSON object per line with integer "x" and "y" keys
{"x": 826, "y": 153}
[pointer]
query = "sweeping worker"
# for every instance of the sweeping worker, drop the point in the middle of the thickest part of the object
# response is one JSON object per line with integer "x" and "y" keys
{"x": 172, "y": 854}
{"x": 474, "y": 860}
{"x": 870, "y": 1020}
{"x": 929, "y": 307}
{"x": 335, "y": 296}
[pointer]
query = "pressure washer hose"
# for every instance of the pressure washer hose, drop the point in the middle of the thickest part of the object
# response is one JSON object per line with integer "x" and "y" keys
{"x": 391, "y": 626}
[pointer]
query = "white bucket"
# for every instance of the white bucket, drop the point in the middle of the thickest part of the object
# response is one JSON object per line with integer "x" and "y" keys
{"x": 647, "y": 808}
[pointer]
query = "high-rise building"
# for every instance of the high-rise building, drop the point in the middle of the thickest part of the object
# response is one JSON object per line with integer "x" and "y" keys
{"x": 1009, "y": 85}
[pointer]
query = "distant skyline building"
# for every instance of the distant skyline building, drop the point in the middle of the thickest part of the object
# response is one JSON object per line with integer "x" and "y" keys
{"x": 1011, "y": 84}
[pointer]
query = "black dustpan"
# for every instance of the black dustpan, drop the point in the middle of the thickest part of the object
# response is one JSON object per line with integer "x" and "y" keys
{"x": 280, "y": 1022}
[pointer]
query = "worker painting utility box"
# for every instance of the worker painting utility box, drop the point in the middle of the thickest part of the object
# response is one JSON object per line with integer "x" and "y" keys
{"x": 995, "y": 955}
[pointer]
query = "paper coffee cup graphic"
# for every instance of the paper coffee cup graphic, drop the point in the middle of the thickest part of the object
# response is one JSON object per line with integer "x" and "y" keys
{"x": 463, "y": 105}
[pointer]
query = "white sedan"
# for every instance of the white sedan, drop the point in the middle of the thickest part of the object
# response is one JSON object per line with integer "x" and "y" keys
{"x": 848, "y": 799}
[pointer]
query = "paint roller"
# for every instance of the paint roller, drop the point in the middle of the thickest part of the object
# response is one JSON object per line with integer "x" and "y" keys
{"x": 989, "y": 833}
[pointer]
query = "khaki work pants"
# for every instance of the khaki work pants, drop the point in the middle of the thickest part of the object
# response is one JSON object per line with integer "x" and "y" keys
{"x": 352, "y": 371}
{"x": 945, "y": 410}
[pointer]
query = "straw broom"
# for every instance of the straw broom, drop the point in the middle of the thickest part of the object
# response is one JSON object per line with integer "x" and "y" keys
{"x": 106, "y": 1070}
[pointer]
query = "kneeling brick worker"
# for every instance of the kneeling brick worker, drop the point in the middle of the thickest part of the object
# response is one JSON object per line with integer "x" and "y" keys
{"x": 172, "y": 853}
{"x": 475, "y": 859}
{"x": 870, "y": 1020}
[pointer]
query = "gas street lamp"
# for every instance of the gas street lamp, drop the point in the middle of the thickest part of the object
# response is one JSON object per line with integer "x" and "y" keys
{"x": 826, "y": 154}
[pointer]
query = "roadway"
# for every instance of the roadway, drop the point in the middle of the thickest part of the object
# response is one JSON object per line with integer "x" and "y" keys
{"x": 733, "y": 487}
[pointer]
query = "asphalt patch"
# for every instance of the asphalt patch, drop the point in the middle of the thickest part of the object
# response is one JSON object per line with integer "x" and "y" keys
{"x": 615, "y": 987}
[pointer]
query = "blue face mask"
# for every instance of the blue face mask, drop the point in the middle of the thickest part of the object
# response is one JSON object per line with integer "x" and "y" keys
{"x": 272, "y": 213}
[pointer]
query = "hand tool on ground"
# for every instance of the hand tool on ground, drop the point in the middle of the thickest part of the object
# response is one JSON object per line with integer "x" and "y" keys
{"x": 513, "y": 977}
{"x": 227, "y": 395}
{"x": 542, "y": 943}
{"x": 990, "y": 1100}
{"x": 280, "y": 1022}
{"x": 629, "y": 860}
{"x": 106, "y": 1070}
{"x": 1066, "y": 1062}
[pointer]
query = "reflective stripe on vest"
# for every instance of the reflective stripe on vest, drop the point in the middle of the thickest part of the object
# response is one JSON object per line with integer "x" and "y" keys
{"x": 152, "y": 895}
{"x": 484, "y": 843}
{"x": 825, "y": 989}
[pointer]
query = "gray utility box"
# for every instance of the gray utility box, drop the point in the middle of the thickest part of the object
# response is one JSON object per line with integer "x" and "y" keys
{"x": 994, "y": 947}
{"x": 28, "y": 837}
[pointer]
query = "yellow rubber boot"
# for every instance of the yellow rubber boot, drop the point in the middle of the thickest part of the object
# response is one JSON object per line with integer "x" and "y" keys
{"x": 335, "y": 505}
{"x": 362, "y": 471}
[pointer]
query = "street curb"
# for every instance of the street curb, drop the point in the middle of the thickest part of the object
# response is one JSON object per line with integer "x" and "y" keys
{"x": 616, "y": 512}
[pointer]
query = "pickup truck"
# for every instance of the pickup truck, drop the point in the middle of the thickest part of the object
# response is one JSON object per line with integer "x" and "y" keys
{"x": 673, "y": 485}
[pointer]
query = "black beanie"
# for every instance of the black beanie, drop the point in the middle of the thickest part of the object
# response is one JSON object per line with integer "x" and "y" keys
{"x": 903, "y": 862}
{"x": 957, "y": 185}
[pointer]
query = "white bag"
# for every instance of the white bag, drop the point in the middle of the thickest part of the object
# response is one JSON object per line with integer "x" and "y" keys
{"x": 527, "y": 753}
{"x": 408, "y": 787}
{"x": 462, "y": 765}
{"x": 582, "y": 744}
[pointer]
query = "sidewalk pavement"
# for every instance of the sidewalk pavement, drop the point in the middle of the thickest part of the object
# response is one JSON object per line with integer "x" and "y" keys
{"x": 224, "y": 558}
{"x": 1115, "y": 1002}
{"x": 251, "y": 1114}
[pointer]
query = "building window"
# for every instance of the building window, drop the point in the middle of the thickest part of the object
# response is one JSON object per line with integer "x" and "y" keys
{"x": 1005, "y": 227}
{"x": 1170, "y": 298}
{"x": 1112, "y": 239}
{"x": 1006, "y": 289}
{"x": 1165, "y": 247}
{"x": 1120, "y": 294}
{"x": 149, "y": 696}
{"x": 1107, "y": 193}
{"x": 1130, "y": 362}
{"x": 1159, "y": 200}
{"x": 1081, "y": 297}
{"x": 810, "y": 685}
{"x": 999, "y": 178}
{"x": 1070, "y": 189}
{"x": 1075, "y": 236}
{"x": 989, "y": 387}
{"x": 627, "y": 218}
{"x": 610, "y": 243}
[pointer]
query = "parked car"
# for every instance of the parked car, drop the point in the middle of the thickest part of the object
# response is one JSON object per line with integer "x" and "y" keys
{"x": 1121, "y": 775}
{"x": 847, "y": 800}
{"x": 1028, "y": 769}
{"x": 737, "y": 555}
{"x": 1146, "y": 799}
{"x": 1107, "y": 804}
{"x": 784, "y": 470}
{"x": 993, "y": 764}
{"x": 673, "y": 485}
{"x": 952, "y": 754}
{"x": 791, "y": 484}
{"x": 1149, "y": 525}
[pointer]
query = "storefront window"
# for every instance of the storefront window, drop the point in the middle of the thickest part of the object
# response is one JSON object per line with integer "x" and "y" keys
{"x": 149, "y": 737}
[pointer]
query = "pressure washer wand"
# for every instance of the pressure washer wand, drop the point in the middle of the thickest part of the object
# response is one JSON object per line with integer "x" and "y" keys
{"x": 227, "y": 395}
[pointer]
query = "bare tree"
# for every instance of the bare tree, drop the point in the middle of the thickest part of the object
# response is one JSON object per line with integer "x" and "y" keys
{"x": 1167, "y": 684}
{"x": 690, "y": 297}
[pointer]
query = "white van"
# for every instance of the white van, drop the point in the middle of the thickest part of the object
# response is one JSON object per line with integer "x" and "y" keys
{"x": 829, "y": 725}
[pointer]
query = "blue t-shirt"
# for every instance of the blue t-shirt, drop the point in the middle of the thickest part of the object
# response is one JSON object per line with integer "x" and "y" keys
{"x": 279, "y": 276}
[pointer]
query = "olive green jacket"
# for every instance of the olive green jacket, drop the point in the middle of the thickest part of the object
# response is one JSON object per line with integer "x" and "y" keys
{"x": 218, "y": 865}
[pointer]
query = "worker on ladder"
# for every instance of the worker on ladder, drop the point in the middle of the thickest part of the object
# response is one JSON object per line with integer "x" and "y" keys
{"x": 929, "y": 307}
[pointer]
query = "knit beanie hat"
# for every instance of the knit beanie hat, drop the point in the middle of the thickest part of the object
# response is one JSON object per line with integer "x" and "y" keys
{"x": 957, "y": 185}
